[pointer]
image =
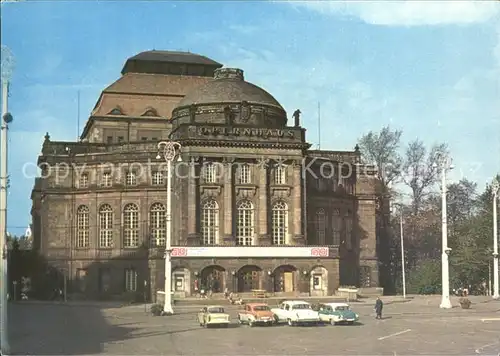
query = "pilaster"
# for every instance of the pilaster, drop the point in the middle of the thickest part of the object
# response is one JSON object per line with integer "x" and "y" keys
{"x": 262, "y": 238}
{"x": 228, "y": 238}
{"x": 298, "y": 235}
{"x": 193, "y": 236}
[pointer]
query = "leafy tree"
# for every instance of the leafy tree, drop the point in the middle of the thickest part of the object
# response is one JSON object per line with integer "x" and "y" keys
{"x": 425, "y": 278}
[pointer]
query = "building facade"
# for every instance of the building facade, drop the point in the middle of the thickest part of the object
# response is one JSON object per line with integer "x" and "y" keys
{"x": 253, "y": 207}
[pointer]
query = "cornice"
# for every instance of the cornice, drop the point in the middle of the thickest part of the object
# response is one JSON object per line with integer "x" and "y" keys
{"x": 245, "y": 144}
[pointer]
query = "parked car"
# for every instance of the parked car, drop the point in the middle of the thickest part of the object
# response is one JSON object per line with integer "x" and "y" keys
{"x": 337, "y": 313}
{"x": 295, "y": 312}
{"x": 256, "y": 314}
{"x": 213, "y": 315}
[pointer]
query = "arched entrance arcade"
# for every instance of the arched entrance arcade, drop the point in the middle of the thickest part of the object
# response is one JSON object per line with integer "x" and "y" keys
{"x": 249, "y": 278}
{"x": 213, "y": 278}
{"x": 285, "y": 277}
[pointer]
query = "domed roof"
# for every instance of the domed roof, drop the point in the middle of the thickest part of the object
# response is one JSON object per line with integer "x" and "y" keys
{"x": 228, "y": 86}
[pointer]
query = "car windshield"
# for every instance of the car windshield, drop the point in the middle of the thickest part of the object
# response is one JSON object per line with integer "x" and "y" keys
{"x": 261, "y": 308}
{"x": 301, "y": 306}
{"x": 343, "y": 308}
{"x": 216, "y": 310}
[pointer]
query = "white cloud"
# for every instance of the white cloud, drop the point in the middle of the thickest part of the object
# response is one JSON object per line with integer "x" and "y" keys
{"x": 408, "y": 13}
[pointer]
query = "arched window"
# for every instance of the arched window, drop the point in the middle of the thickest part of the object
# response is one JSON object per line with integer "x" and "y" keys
{"x": 336, "y": 227}
{"x": 83, "y": 226}
{"x": 245, "y": 224}
{"x": 130, "y": 226}
{"x": 158, "y": 224}
{"x": 321, "y": 227}
{"x": 245, "y": 177}
{"x": 348, "y": 229}
{"x": 105, "y": 226}
{"x": 280, "y": 223}
{"x": 210, "y": 222}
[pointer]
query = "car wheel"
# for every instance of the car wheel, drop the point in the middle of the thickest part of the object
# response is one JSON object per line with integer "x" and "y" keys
{"x": 276, "y": 319}
{"x": 290, "y": 322}
{"x": 332, "y": 322}
{"x": 351, "y": 323}
{"x": 250, "y": 323}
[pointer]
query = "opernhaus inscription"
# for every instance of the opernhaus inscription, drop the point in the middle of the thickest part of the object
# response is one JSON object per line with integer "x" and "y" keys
{"x": 238, "y": 131}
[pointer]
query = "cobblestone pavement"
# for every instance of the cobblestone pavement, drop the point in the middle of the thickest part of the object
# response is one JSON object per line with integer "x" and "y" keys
{"x": 407, "y": 329}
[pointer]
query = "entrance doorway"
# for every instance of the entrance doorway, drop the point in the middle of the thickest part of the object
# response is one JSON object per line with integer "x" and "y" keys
{"x": 284, "y": 279}
{"x": 248, "y": 278}
{"x": 212, "y": 278}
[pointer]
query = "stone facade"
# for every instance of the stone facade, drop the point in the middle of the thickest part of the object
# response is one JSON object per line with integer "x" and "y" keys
{"x": 246, "y": 178}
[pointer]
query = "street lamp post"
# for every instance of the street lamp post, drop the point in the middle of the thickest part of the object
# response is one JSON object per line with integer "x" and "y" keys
{"x": 496, "y": 188}
{"x": 6, "y": 68}
{"x": 444, "y": 164}
{"x": 168, "y": 150}
{"x": 402, "y": 253}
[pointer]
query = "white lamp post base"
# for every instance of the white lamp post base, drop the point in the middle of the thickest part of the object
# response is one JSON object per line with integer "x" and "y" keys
{"x": 168, "y": 310}
{"x": 445, "y": 303}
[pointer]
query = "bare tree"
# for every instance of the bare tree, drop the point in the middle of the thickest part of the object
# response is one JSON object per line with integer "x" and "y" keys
{"x": 418, "y": 170}
{"x": 381, "y": 149}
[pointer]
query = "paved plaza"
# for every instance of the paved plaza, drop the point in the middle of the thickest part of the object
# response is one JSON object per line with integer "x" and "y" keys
{"x": 417, "y": 327}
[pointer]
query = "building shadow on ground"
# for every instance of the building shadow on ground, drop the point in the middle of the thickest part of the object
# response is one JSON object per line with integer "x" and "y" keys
{"x": 61, "y": 329}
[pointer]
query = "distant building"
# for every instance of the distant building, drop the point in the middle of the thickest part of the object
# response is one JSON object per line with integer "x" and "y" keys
{"x": 246, "y": 213}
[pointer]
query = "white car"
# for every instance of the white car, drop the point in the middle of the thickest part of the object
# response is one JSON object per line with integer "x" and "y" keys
{"x": 295, "y": 312}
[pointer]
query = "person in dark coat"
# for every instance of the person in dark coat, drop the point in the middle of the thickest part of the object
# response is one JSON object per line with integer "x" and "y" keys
{"x": 379, "y": 305}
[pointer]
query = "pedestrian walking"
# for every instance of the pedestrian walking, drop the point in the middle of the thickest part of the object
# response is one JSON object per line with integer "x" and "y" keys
{"x": 379, "y": 305}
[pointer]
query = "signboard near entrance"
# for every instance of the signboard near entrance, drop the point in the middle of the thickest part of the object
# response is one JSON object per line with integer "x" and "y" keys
{"x": 249, "y": 251}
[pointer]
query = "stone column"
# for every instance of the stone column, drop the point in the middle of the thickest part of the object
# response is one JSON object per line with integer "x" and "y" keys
{"x": 193, "y": 238}
{"x": 296, "y": 199}
{"x": 262, "y": 237}
{"x": 228, "y": 235}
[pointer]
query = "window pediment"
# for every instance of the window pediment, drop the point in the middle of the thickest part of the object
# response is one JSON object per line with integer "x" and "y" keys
{"x": 116, "y": 111}
{"x": 151, "y": 112}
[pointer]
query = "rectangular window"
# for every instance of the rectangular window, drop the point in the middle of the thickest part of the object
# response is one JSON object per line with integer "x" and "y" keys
{"x": 210, "y": 173}
{"x": 154, "y": 138}
{"x": 130, "y": 280}
{"x": 158, "y": 178}
{"x": 144, "y": 138}
{"x": 84, "y": 181}
{"x": 107, "y": 180}
{"x": 120, "y": 139}
{"x": 280, "y": 174}
{"x": 245, "y": 176}
{"x": 130, "y": 179}
{"x": 109, "y": 139}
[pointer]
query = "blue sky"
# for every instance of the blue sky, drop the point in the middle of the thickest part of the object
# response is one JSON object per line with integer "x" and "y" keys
{"x": 430, "y": 69}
